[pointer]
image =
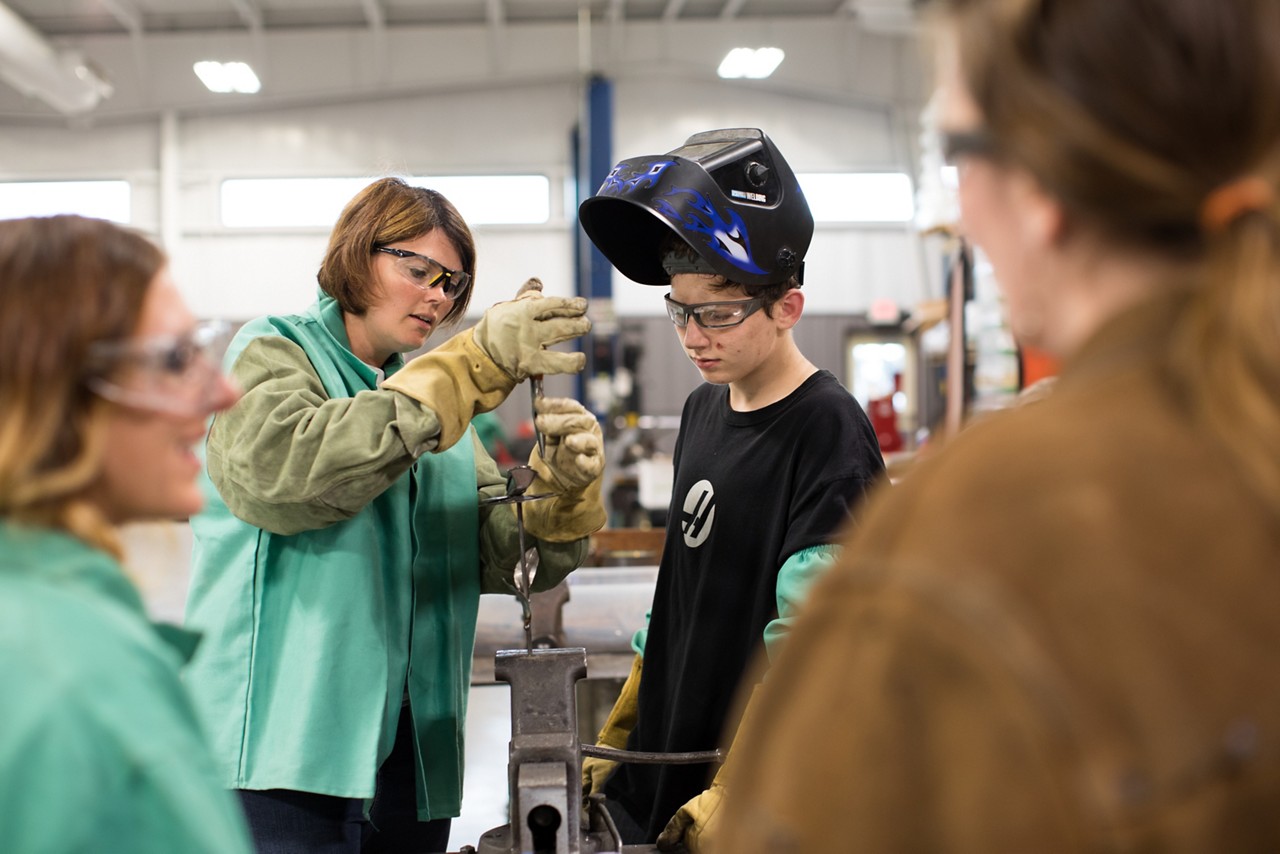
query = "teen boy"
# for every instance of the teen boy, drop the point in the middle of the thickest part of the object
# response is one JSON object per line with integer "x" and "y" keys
{"x": 771, "y": 456}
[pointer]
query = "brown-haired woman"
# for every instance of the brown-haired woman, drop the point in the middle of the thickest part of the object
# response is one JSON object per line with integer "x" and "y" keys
{"x": 339, "y": 565}
{"x": 1060, "y": 634}
{"x": 106, "y": 382}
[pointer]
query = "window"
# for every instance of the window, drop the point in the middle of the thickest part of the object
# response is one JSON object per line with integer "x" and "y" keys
{"x": 101, "y": 199}
{"x": 317, "y": 202}
{"x": 858, "y": 196}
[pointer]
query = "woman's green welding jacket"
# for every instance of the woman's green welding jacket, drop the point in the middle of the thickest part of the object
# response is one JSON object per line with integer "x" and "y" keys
{"x": 338, "y": 569}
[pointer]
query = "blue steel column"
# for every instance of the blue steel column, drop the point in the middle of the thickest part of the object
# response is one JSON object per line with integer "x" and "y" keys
{"x": 593, "y": 158}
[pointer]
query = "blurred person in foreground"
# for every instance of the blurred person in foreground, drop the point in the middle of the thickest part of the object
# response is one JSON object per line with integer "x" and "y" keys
{"x": 106, "y": 382}
{"x": 339, "y": 564}
{"x": 1060, "y": 633}
{"x": 772, "y": 460}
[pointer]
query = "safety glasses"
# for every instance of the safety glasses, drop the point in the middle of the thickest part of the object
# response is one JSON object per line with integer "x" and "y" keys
{"x": 959, "y": 145}
{"x": 171, "y": 374}
{"x": 712, "y": 315}
{"x": 425, "y": 273}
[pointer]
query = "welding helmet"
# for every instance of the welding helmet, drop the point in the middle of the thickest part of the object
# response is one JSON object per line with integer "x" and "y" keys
{"x": 728, "y": 194}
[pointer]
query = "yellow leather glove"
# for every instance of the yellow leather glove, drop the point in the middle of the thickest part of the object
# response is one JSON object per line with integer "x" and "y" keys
{"x": 470, "y": 374}
{"x": 617, "y": 727}
{"x": 515, "y": 334}
{"x": 570, "y": 470}
{"x": 457, "y": 381}
{"x": 697, "y": 823}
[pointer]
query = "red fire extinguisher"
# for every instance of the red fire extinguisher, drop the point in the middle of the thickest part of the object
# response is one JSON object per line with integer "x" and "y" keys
{"x": 884, "y": 419}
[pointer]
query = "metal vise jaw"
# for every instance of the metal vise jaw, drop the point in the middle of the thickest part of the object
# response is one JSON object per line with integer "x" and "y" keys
{"x": 545, "y": 765}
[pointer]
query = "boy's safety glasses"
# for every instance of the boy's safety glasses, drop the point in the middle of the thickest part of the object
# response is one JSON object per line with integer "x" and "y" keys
{"x": 712, "y": 315}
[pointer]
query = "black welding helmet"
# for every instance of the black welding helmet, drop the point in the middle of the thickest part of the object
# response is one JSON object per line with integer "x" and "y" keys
{"x": 726, "y": 193}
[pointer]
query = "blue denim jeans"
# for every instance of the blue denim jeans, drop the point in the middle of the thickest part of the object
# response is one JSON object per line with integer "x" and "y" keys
{"x": 288, "y": 822}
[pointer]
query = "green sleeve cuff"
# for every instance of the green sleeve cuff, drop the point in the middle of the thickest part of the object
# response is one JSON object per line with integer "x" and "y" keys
{"x": 795, "y": 578}
{"x": 642, "y": 635}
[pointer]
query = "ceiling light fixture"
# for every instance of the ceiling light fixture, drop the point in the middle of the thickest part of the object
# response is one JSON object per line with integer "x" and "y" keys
{"x": 756, "y": 63}
{"x": 223, "y": 77}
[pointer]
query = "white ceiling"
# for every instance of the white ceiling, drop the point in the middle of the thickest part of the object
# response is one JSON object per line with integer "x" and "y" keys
{"x": 143, "y": 49}
{"x": 96, "y": 17}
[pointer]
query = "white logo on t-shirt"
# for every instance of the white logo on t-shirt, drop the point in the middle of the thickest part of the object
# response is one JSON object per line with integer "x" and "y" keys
{"x": 699, "y": 513}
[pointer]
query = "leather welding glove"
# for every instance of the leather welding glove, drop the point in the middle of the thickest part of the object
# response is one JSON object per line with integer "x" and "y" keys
{"x": 570, "y": 469}
{"x": 617, "y": 728}
{"x": 697, "y": 823}
{"x": 474, "y": 372}
{"x": 514, "y": 334}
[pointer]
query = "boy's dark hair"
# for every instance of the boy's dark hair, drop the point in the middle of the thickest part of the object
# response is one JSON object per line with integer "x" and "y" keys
{"x": 770, "y": 294}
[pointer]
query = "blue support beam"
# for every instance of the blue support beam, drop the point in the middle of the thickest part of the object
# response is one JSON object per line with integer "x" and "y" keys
{"x": 593, "y": 158}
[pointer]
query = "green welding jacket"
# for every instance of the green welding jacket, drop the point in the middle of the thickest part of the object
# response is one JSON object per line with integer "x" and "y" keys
{"x": 99, "y": 744}
{"x": 337, "y": 570}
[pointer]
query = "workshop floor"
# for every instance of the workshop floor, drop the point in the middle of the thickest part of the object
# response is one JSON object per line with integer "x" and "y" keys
{"x": 484, "y": 789}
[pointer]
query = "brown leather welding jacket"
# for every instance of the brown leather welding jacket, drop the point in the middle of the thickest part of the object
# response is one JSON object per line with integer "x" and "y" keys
{"x": 1060, "y": 634}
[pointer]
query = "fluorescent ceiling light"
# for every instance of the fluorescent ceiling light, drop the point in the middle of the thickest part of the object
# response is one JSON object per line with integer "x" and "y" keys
{"x": 227, "y": 77}
{"x": 755, "y": 63}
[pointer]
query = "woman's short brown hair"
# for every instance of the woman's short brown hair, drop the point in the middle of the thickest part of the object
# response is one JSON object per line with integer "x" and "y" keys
{"x": 387, "y": 211}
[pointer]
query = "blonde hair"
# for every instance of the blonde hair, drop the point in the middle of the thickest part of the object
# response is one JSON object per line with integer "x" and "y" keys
{"x": 65, "y": 282}
{"x": 1134, "y": 115}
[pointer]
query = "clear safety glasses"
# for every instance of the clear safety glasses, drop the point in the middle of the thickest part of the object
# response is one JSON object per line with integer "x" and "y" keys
{"x": 171, "y": 374}
{"x": 425, "y": 273}
{"x": 712, "y": 315}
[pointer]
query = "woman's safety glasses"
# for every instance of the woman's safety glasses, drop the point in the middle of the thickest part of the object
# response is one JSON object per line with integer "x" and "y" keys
{"x": 712, "y": 315}
{"x": 171, "y": 374}
{"x": 425, "y": 273}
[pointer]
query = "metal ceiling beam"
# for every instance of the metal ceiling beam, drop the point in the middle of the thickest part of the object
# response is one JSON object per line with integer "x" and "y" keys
{"x": 374, "y": 14}
{"x": 131, "y": 19}
{"x": 249, "y": 13}
{"x": 495, "y": 12}
{"x": 731, "y": 9}
{"x": 615, "y": 11}
{"x": 673, "y": 10}
{"x": 127, "y": 14}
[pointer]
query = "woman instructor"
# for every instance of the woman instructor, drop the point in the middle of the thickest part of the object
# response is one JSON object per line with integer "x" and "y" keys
{"x": 339, "y": 565}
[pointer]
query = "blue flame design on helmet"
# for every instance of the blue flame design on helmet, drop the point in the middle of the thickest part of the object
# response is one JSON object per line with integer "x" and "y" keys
{"x": 725, "y": 234}
{"x": 647, "y": 176}
{"x": 728, "y": 194}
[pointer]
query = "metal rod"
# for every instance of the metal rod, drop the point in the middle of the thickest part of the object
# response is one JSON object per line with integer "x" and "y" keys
{"x": 645, "y": 757}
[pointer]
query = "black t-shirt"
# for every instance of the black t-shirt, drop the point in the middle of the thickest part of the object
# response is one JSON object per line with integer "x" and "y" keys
{"x": 750, "y": 490}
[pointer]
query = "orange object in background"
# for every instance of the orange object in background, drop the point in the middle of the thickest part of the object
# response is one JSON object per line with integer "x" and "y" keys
{"x": 1036, "y": 365}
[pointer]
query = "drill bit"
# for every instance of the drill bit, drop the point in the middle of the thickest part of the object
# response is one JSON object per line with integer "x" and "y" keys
{"x": 519, "y": 479}
{"x": 526, "y": 607}
{"x": 535, "y": 394}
